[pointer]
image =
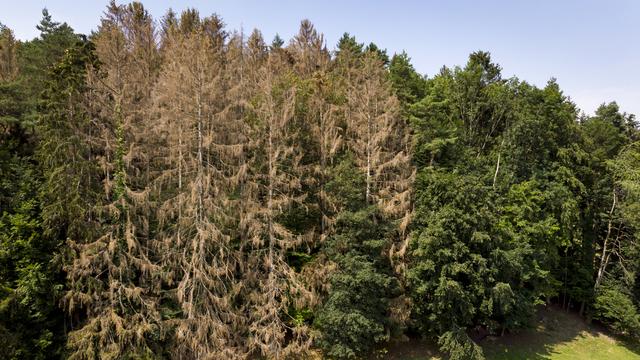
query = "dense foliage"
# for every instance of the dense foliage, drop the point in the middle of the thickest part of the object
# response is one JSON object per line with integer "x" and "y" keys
{"x": 173, "y": 189}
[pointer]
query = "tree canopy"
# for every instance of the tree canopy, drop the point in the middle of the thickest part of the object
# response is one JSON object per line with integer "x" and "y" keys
{"x": 178, "y": 189}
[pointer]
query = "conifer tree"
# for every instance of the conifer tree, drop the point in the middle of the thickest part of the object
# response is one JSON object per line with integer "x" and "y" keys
{"x": 364, "y": 299}
{"x": 319, "y": 118}
{"x": 8, "y": 60}
{"x": 29, "y": 322}
{"x": 39, "y": 55}
{"x": 379, "y": 139}
{"x": 198, "y": 181}
{"x": 112, "y": 275}
{"x": 193, "y": 193}
{"x": 272, "y": 287}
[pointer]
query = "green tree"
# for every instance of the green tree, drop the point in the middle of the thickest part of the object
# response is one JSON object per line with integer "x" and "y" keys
{"x": 32, "y": 280}
{"x": 495, "y": 201}
{"x": 408, "y": 85}
{"x": 355, "y": 317}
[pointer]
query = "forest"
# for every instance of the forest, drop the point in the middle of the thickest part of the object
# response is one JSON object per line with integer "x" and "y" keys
{"x": 171, "y": 188}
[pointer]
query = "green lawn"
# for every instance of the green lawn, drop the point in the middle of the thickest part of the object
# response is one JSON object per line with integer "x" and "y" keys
{"x": 557, "y": 336}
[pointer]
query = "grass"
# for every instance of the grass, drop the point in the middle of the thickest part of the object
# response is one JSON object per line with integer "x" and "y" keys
{"x": 557, "y": 335}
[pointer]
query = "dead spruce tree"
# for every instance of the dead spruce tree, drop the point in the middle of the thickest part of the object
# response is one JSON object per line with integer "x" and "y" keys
{"x": 321, "y": 138}
{"x": 312, "y": 61}
{"x": 271, "y": 286}
{"x": 111, "y": 276}
{"x": 379, "y": 139}
{"x": 200, "y": 175}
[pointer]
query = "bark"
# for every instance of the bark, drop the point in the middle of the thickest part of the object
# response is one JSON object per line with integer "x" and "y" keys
{"x": 604, "y": 255}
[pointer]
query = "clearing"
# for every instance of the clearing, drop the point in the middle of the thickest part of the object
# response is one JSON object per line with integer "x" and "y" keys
{"x": 557, "y": 335}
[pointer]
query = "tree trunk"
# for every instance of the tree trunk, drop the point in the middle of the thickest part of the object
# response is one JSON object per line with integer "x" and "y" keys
{"x": 495, "y": 176}
{"x": 604, "y": 257}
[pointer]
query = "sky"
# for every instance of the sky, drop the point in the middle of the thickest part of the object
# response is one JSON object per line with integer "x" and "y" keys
{"x": 591, "y": 47}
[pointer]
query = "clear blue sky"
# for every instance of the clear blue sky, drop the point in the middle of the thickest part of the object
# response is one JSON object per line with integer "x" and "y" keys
{"x": 591, "y": 47}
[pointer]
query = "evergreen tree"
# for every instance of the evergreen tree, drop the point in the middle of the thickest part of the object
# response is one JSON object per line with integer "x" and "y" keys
{"x": 408, "y": 85}
{"x": 357, "y": 313}
{"x": 8, "y": 59}
{"x": 196, "y": 187}
{"x": 31, "y": 281}
{"x": 173, "y": 189}
{"x": 272, "y": 187}
{"x": 109, "y": 273}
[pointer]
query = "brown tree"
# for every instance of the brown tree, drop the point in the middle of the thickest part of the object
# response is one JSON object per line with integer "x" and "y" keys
{"x": 200, "y": 175}
{"x": 319, "y": 119}
{"x": 379, "y": 139}
{"x": 112, "y": 276}
{"x": 272, "y": 188}
{"x": 8, "y": 47}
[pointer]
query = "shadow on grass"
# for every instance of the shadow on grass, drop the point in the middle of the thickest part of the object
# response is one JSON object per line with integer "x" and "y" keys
{"x": 561, "y": 334}
{"x": 414, "y": 349}
{"x": 631, "y": 345}
{"x": 556, "y": 334}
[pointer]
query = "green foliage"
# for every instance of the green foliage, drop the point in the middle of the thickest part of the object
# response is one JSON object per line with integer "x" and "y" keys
{"x": 354, "y": 318}
{"x": 435, "y": 127}
{"x": 348, "y": 43}
{"x": 626, "y": 170}
{"x": 459, "y": 346}
{"x": 30, "y": 275}
{"x": 381, "y": 53}
{"x": 464, "y": 269}
{"x": 407, "y": 83}
{"x": 517, "y": 200}
{"x": 502, "y": 177}
{"x": 28, "y": 306}
{"x": 277, "y": 42}
{"x": 617, "y": 310}
{"x": 15, "y": 143}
